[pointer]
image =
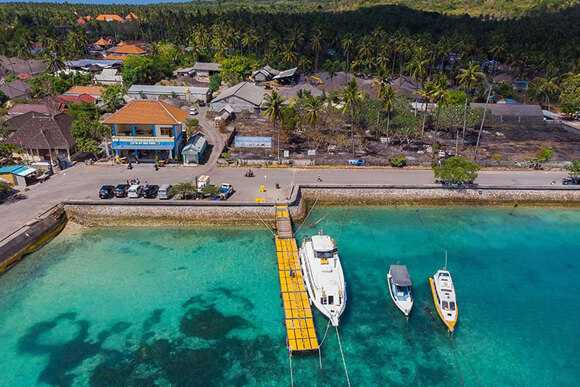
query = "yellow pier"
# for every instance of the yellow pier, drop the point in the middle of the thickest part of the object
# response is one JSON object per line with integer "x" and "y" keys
{"x": 297, "y": 312}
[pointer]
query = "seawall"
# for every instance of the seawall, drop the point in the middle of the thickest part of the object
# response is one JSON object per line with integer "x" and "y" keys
{"x": 436, "y": 195}
{"x": 31, "y": 237}
{"x": 149, "y": 213}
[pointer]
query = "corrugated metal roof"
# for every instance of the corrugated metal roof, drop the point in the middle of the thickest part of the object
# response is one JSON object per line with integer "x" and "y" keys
{"x": 205, "y": 66}
{"x": 19, "y": 170}
{"x": 168, "y": 90}
{"x": 244, "y": 90}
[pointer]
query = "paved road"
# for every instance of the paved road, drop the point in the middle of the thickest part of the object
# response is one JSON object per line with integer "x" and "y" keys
{"x": 82, "y": 182}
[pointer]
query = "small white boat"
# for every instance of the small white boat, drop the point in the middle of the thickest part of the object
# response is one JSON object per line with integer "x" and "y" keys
{"x": 444, "y": 298}
{"x": 323, "y": 276}
{"x": 400, "y": 288}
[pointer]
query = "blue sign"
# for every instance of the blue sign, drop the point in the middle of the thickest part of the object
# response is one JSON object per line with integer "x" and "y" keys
{"x": 141, "y": 143}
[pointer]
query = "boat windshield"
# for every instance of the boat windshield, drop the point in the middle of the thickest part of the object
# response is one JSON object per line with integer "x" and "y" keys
{"x": 325, "y": 254}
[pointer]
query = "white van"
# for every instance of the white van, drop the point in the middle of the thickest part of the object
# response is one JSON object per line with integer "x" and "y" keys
{"x": 135, "y": 191}
{"x": 164, "y": 192}
{"x": 202, "y": 182}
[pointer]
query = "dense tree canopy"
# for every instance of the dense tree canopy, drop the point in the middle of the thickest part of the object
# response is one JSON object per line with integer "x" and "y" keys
{"x": 365, "y": 38}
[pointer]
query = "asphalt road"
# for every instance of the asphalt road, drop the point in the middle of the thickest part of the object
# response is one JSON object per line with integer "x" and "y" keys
{"x": 83, "y": 182}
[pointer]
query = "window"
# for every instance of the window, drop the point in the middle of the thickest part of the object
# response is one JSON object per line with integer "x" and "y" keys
{"x": 166, "y": 132}
{"x": 323, "y": 301}
{"x": 452, "y": 304}
{"x": 445, "y": 305}
{"x": 331, "y": 300}
{"x": 143, "y": 131}
{"x": 325, "y": 254}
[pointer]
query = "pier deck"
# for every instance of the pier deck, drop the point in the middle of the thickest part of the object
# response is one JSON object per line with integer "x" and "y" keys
{"x": 301, "y": 335}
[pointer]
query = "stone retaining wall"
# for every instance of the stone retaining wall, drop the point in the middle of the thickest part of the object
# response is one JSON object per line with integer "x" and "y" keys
{"x": 441, "y": 196}
{"x": 172, "y": 214}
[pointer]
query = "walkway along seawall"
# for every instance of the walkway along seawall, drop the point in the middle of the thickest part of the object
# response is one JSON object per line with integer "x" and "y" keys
{"x": 31, "y": 237}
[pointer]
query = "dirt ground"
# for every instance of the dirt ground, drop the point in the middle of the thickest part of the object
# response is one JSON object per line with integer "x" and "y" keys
{"x": 507, "y": 146}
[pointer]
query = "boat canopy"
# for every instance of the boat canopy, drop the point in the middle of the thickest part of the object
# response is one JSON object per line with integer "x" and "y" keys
{"x": 400, "y": 275}
{"x": 322, "y": 243}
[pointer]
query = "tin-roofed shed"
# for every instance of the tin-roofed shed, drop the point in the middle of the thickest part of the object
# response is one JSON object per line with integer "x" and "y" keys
{"x": 194, "y": 151}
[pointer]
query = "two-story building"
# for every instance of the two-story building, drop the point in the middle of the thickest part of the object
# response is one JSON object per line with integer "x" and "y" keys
{"x": 145, "y": 130}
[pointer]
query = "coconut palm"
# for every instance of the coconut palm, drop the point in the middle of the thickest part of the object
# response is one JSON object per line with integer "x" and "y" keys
{"x": 347, "y": 44}
{"x": 273, "y": 110}
{"x": 352, "y": 97}
{"x": 312, "y": 109}
{"x": 316, "y": 44}
{"x": 468, "y": 78}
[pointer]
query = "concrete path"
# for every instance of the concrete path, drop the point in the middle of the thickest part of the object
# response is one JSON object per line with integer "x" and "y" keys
{"x": 83, "y": 182}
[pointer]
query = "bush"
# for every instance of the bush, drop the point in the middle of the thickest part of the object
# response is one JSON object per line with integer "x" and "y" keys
{"x": 398, "y": 161}
{"x": 574, "y": 169}
{"x": 456, "y": 170}
{"x": 185, "y": 190}
{"x": 544, "y": 155}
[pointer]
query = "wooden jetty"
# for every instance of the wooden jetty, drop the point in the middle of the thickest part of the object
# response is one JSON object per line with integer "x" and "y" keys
{"x": 301, "y": 335}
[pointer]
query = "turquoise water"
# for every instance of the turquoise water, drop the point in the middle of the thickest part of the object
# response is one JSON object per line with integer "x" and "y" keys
{"x": 188, "y": 307}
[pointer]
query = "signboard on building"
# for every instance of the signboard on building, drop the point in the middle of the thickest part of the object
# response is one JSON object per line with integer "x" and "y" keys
{"x": 252, "y": 142}
{"x": 142, "y": 143}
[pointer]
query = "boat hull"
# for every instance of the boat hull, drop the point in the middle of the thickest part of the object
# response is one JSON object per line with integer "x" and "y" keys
{"x": 450, "y": 324}
{"x": 405, "y": 308}
{"x": 313, "y": 293}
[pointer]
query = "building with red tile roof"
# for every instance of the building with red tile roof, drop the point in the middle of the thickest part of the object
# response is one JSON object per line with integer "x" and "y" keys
{"x": 147, "y": 129}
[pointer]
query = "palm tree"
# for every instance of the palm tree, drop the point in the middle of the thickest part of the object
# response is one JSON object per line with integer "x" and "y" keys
{"x": 387, "y": 97}
{"x": 468, "y": 78}
{"x": 352, "y": 97}
{"x": 544, "y": 88}
{"x": 273, "y": 110}
{"x": 316, "y": 44}
{"x": 426, "y": 94}
{"x": 313, "y": 108}
{"x": 347, "y": 43}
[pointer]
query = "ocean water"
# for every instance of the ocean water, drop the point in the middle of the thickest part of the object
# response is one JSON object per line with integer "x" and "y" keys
{"x": 201, "y": 307}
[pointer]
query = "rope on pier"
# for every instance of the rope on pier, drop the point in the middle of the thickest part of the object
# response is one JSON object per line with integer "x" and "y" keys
{"x": 307, "y": 215}
{"x": 291, "y": 372}
{"x": 322, "y": 342}
{"x": 343, "y": 361}
{"x": 266, "y": 225}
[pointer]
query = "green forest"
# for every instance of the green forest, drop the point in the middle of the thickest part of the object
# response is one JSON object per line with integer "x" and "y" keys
{"x": 373, "y": 38}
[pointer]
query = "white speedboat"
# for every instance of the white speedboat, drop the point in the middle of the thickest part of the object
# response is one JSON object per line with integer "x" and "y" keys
{"x": 323, "y": 276}
{"x": 400, "y": 288}
{"x": 444, "y": 298}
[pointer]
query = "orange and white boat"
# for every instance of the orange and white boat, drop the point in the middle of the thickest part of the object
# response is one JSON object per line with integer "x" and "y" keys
{"x": 444, "y": 298}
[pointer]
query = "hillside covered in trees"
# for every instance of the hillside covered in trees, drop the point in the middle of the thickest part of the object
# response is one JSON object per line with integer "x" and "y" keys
{"x": 308, "y": 35}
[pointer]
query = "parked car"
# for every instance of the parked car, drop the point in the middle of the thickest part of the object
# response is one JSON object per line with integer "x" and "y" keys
{"x": 356, "y": 162}
{"x": 121, "y": 190}
{"x": 150, "y": 191}
{"x": 225, "y": 191}
{"x": 164, "y": 192}
{"x": 107, "y": 192}
{"x": 193, "y": 111}
{"x": 571, "y": 181}
{"x": 135, "y": 191}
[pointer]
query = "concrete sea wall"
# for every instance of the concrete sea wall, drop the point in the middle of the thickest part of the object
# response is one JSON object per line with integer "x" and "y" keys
{"x": 165, "y": 213}
{"x": 421, "y": 195}
{"x": 31, "y": 237}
